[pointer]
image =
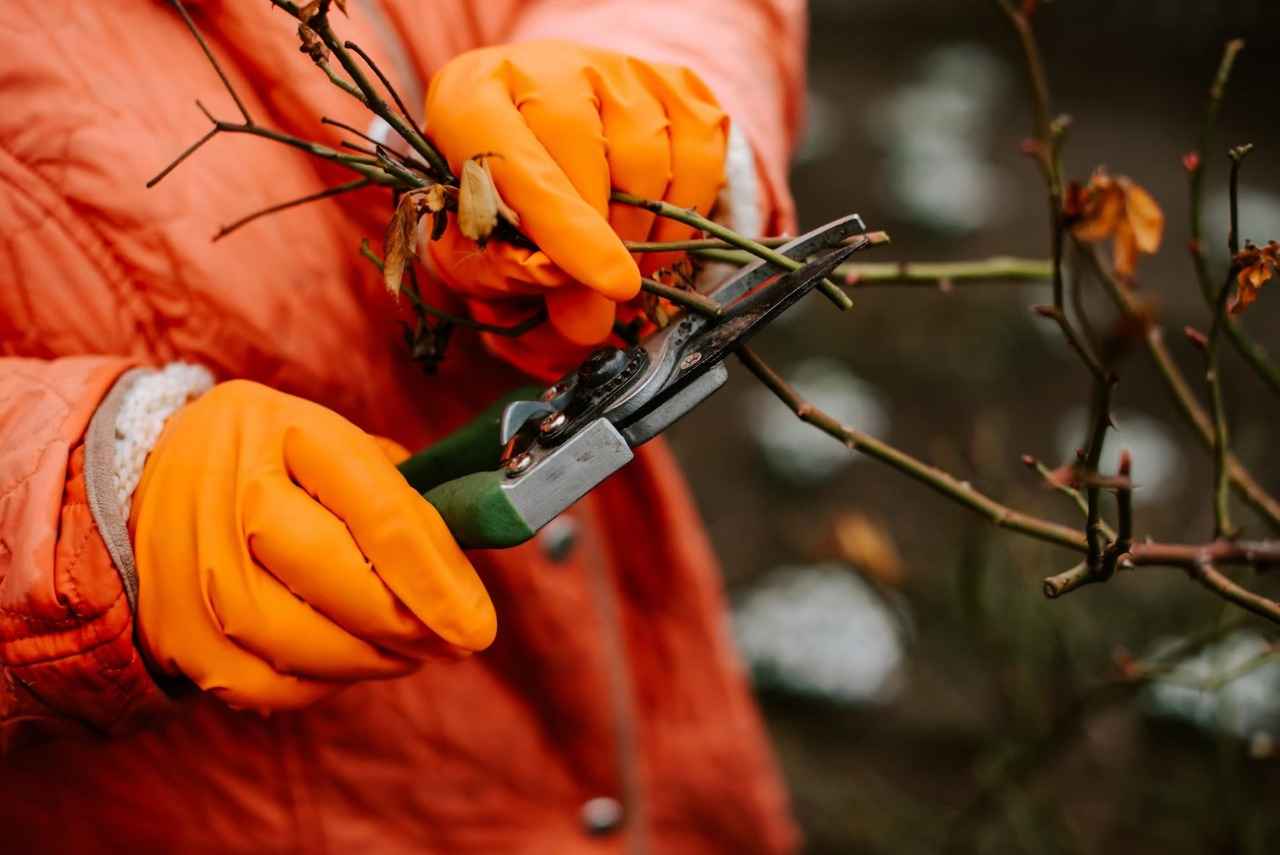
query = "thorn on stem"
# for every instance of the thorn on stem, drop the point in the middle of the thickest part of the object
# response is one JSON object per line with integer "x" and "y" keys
{"x": 1197, "y": 338}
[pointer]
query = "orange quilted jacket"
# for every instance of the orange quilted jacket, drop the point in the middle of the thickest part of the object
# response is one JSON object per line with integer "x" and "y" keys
{"x": 612, "y": 675}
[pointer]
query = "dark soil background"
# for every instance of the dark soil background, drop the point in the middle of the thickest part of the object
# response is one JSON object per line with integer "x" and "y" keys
{"x": 971, "y": 381}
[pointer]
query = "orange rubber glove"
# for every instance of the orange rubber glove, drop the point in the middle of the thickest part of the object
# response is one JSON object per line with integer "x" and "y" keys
{"x": 565, "y": 125}
{"x": 280, "y": 555}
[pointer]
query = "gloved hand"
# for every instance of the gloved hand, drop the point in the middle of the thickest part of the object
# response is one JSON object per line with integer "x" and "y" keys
{"x": 564, "y": 125}
{"x": 280, "y": 555}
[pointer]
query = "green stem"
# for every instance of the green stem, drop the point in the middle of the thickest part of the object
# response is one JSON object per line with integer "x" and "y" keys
{"x": 693, "y": 218}
{"x": 689, "y": 299}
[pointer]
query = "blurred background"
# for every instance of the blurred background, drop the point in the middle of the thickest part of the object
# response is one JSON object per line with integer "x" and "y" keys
{"x": 919, "y": 689}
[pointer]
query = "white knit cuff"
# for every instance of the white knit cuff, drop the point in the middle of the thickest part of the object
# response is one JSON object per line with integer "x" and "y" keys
{"x": 141, "y": 417}
{"x": 738, "y": 205}
{"x": 121, "y": 434}
{"x": 739, "y": 202}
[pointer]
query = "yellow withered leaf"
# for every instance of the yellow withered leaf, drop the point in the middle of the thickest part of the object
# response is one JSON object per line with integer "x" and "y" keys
{"x": 479, "y": 204}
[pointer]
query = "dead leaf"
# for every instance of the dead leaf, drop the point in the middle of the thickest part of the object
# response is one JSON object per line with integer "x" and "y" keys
{"x": 401, "y": 242}
{"x": 479, "y": 204}
{"x": 342, "y": 6}
{"x": 1118, "y": 209}
{"x": 1256, "y": 267}
{"x": 312, "y": 45}
{"x": 867, "y": 545}
{"x": 309, "y": 11}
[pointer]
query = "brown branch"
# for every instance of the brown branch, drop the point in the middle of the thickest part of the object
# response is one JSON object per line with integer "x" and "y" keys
{"x": 960, "y": 491}
{"x": 370, "y": 168}
{"x": 1209, "y": 576}
{"x": 217, "y": 67}
{"x": 328, "y": 193}
{"x": 1244, "y": 483}
{"x": 415, "y": 297}
{"x": 857, "y": 274}
{"x": 186, "y": 152}
{"x": 1253, "y": 353}
{"x": 386, "y": 84}
{"x": 369, "y": 96}
{"x": 1054, "y": 482}
{"x": 689, "y": 299}
{"x": 1213, "y": 372}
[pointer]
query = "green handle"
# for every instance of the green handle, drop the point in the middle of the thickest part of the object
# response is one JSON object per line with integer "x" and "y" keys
{"x": 459, "y": 476}
{"x": 478, "y": 513}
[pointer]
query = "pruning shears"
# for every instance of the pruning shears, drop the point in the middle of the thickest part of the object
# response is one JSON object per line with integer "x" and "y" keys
{"x": 518, "y": 465}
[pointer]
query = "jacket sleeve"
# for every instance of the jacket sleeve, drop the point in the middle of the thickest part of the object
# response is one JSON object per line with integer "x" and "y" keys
{"x": 750, "y": 52}
{"x": 67, "y": 658}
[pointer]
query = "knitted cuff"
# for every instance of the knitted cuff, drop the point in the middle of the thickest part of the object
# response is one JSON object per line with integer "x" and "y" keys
{"x": 122, "y": 432}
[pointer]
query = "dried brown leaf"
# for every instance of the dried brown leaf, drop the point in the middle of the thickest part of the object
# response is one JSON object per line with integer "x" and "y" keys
{"x": 311, "y": 44}
{"x": 400, "y": 245}
{"x": 309, "y": 11}
{"x": 1118, "y": 209}
{"x": 867, "y": 545}
{"x": 342, "y": 6}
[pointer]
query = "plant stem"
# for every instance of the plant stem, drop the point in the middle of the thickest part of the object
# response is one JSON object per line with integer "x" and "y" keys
{"x": 1065, "y": 489}
{"x": 693, "y": 218}
{"x": 960, "y": 491}
{"x": 369, "y": 95}
{"x": 699, "y": 243}
{"x": 1244, "y": 483}
{"x": 689, "y": 299}
{"x": 1213, "y": 373}
{"x": 328, "y": 193}
{"x": 217, "y": 67}
{"x": 919, "y": 273}
{"x": 1253, "y": 353}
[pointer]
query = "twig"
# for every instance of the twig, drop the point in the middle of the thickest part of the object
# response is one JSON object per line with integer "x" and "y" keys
{"x": 960, "y": 491}
{"x": 1199, "y": 561}
{"x": 859, "y": 274}
{"x": 1253, "y": 353}
{"x": 204, "y": 46}
{"x": 369, "y": 96}
{"x": 328, "y": 193}
{"x": 689, "y": 299}
{"x": 699, "y": 243}
{"x": 415, "y": 297}
{"x": 1213, "y": 375}
{"x": 366, "y": 166}
{"x": 1259, "y": 553}
{"x": 1208, "y": 576}
{"x": 1072, "y": 720}
{"x": 693, "y": 218}
{"x": 1065, "y": 489}
{"x": 1244, "y": 483}
{"x": 386, "y": 84}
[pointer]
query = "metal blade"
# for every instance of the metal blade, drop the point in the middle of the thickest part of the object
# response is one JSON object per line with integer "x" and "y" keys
{"x": 517, "y": 413}
{"x": 694, "y": 349}
{"x": 807, "y": 244}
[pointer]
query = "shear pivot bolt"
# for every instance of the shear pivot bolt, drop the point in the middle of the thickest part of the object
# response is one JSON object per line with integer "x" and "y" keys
{"x": 690, "y": 361}
{"x": 553, "y": 422}
{"x": 518, "y": 464}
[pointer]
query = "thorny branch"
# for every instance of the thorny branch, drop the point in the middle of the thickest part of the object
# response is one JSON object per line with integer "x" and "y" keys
{"x": 1196, "y": 164}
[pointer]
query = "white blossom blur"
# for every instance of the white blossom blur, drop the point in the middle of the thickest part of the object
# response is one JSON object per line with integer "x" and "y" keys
{"x": 821, "y": 630}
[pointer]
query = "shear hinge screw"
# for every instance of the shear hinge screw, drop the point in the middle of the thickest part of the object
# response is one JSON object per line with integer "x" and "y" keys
{"x": 553, "y": 422}
{"x": 518, "y": 464}
{"x": 690, "y": 361}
